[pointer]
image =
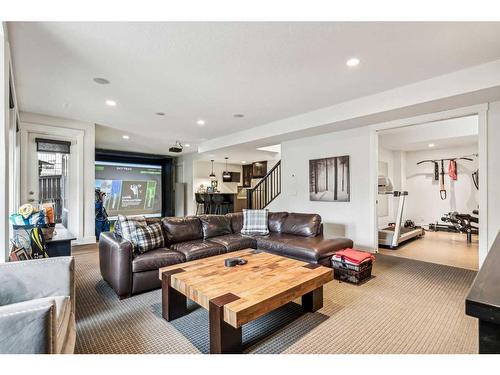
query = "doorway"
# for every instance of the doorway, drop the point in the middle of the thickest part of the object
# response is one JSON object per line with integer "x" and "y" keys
{"x": 53, "y": 182}
{"x": 72, "y": 203}
{"x": 428, "y": 189}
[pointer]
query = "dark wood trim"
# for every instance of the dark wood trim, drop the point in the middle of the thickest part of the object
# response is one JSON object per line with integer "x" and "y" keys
{"x": 173, "y": 302}
{"x": 224, "y": 338}
{"x": 313, "y": 300}
{"x": 263, "y": 193}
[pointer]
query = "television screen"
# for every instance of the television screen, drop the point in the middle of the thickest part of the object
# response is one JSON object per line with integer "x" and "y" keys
{"x": 131, "y": 189}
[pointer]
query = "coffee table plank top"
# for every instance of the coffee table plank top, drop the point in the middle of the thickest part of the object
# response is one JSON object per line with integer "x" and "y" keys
{"x": 265, "y": 283}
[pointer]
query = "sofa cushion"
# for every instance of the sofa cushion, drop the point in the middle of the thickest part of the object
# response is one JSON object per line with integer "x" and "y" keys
{"x": 215, "y": 225}
{"x": 149, "y": 237}
{"x": 308, "y": 249}
{"x": 198, "y": 249}
{"x": 236, "y": 221}
{"x": 180, "y": 229}
{"x": 154, "y": 259}
{"x": 276, "y": 220}
{"x": 305, "y": 225}
{"x": 235, "y": 241}
{"x": 255, "y": 222}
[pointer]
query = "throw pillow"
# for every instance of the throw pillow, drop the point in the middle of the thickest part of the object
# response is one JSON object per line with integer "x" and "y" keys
{"x": 255, "y": 222}
{"x": 149, "y": 237}
{"x": 128, "y": 225}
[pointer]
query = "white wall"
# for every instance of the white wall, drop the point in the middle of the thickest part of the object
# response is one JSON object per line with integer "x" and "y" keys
{"x": 356, "y": 217}
{"x": 386, "y": 156}
{"x": 203, "y": 168}
{"x": 83, "y": 134}
{"x": 423, "y": 204}
{"x": 493, "y": 175}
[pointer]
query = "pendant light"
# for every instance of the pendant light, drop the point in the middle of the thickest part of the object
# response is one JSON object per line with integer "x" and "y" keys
{"x": 212, "y": 174}
{"x": 226, "y": 175}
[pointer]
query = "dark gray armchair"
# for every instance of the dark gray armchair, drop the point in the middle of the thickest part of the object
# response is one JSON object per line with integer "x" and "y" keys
{"x": 37, "y": 306}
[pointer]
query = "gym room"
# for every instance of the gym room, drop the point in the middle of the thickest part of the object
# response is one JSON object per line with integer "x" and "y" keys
{"x": 428, "y": 191}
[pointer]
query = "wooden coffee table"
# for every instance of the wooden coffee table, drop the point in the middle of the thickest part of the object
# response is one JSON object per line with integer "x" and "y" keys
{"x": 237, "y": 295}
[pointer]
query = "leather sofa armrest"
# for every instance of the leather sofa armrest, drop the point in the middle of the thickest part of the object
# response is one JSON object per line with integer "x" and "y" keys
{"x": 115, "y": 262}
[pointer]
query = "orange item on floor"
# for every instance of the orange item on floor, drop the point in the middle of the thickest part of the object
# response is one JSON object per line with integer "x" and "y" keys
{"x": 452, "y": 169}
{"x": 354, "y": 256}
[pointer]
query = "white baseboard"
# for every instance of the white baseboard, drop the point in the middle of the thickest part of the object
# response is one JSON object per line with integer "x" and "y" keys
{"x": 84, "y": 241}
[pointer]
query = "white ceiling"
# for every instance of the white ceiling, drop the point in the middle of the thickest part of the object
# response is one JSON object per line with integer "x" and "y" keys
{"x": 266, "y": 71}
{"x": 237, "y": 154}
{"x": 443, "y": 134}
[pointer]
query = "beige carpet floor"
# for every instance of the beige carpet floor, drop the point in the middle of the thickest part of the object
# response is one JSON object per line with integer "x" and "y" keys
{"x": 408, "y": 307}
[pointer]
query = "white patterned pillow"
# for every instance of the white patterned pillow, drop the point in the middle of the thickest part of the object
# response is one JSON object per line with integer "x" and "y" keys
{"x": 149, "y": 237}
{"x": 129, "y": 224}
{"x": 255, "y": 222}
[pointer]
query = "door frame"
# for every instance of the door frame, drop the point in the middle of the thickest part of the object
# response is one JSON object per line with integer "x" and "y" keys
{"x": 480, "y": 110}
{"x": 76, "y": 185}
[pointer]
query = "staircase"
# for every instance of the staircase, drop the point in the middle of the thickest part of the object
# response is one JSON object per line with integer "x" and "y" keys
{"x": 266, "y": 190}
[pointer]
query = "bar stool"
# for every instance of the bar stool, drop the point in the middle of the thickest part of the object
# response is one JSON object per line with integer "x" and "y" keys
{"x": 207, "y": 203}
{"x": 227, "y": 205}
{"x": 200, "y": 203}
{"x": 218, "y": 201}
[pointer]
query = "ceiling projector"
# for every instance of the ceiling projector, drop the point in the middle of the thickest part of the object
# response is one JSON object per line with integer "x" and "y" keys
{"x": 177, "y": 148}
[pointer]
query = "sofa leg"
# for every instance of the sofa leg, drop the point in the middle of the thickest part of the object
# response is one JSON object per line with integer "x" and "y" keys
{"x": 125, "y": 296}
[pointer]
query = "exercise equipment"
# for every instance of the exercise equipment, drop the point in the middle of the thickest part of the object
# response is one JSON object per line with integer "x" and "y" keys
{"x": 463, "y": 223}
{"x": 442, "y": 190}
{"x": 396, "y": 234}
{"x": 452, "y": 171}
{"x": 475, "y": 179}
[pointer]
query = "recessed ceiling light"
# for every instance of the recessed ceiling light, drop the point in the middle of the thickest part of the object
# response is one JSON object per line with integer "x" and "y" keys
{"x": 431, "y": 145}
{"x": 200, "y": 122}
{"x": 101, "y": 81}
{"x": 125, "y": 136}
{"x": 187, "y": 145}
{"x": 111, "y": 103}
{"x": 243, "y": 161}
{"x": 160, "y": 113}
{"x": 352, "y": 62}
{"x": 238, "y": 115}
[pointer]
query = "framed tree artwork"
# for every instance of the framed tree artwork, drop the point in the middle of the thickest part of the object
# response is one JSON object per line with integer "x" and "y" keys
{"x": 329, "y": 179}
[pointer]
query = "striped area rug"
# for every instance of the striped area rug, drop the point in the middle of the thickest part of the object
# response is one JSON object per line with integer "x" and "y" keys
{"x": 408, "y": 307}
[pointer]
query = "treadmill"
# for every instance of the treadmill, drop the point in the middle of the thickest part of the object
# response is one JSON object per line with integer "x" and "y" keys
{"x": 393, "y": 236}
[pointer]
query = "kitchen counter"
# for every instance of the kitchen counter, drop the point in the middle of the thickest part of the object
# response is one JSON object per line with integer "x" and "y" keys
{"x": 229, "y": 199}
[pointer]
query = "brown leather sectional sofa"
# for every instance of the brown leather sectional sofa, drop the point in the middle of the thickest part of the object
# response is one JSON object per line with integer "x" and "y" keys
{"x": 294, "y": 235}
